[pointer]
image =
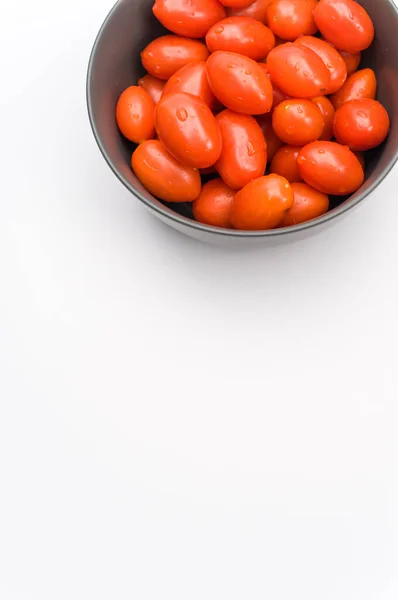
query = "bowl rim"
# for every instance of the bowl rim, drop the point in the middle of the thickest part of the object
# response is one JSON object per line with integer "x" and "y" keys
{"x": 167, "y": 213}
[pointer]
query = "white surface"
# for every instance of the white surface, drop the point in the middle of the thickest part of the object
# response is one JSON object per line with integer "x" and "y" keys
{"x": 177, "y": 421}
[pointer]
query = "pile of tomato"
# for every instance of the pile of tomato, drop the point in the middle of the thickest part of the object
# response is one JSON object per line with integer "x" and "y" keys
{"x": 254, "y": 111}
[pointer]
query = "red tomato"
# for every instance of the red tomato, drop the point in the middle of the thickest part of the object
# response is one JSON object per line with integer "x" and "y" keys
{"x": 191, "y": 79}
{"x": 242, "y": 35}
{"x": 308, "y": 204}
{"x": 289, "y": 19}
{"x": 153, "y": 86}
{"x": 351, "y": 61}
{"x": 256, "y": 10}
{"x": 188, "y": 129}
{"x": 236, "y": 3}
{"x": 244, "y": 151}
{"x": 361, "y": 124}
{"x": 285, "y": 164}
{"x": 191, "y": 18}
{"x": 297, "y": 122}
{"x": 298, "y": 71}
{"x": 327, "y": 110}
{"x": 262, "y": 203}
{"x": 331, "y": 58}
{"x": 213, "y": 207}
{"x": 162, "y": 175}
{"x": 277, "y": 95}
{"x": 271, "y": 139}
{"x": 361, "y": 84}
{"x": 135, "y": 114}
{"x": 330, "y": 168}
{"x": 165, "y": 55}
{"x": 239, "y": 83}
{"x": 345, "y": 24}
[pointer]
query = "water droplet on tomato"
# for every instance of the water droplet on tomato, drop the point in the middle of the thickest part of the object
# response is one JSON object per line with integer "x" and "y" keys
{"x": 182, "y": 114}
{"x": 219, "y": 29}
{"x": 250, "y": 149}
{"x": 136, "y": 116}
{"x": 321, "y": 151}
{"x": 360, "y": 113}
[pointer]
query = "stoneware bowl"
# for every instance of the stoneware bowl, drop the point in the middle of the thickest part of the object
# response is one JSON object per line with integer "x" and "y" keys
{"x": 115, "y": 64}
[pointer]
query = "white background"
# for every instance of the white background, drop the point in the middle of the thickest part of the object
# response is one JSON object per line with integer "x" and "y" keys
{"x": 177, "y": 421}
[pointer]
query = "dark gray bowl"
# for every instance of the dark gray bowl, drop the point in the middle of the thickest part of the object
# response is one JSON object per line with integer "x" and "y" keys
{"x": 115, "y": 64}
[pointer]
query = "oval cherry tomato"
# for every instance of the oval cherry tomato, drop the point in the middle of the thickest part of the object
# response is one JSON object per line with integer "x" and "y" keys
{"x": 297, "y": 122}
{"x": 331, "y": 58}
{"x": 135, "y": 114}
{"x": 213, "y": 207}
{"x": 351, "y": 61}
{"x": 330, "y": 168}
{"x": 262, "y": 203}
{"x": 191, "y": 79}
{"x": 289, "y": 19}
{"x": 162, "y": 175}
{"x": 298, "y": 71}
{"x": 345, "y": 24}
{"x": 327, "y": 110}
{"x": 188, "y": 129}
{"x": 239, "y": 83}
{"x": 244, "y": 151}
{"x": 285, "y": 164}
{"x": 256, "y": 10}
{"x": 242, "y": 35}
{"x": 308, "y": 204}
{"x": 153, "y": 86}
{"x": 191, "y": 18}
{"x": 165, "y": 55}
{"x": 277, "y": 95}
{"x": 361, "y": 124}
{"x": 361, "y": 84}
{"x": 236, "y": 3}
{"x": 271, "y": 139}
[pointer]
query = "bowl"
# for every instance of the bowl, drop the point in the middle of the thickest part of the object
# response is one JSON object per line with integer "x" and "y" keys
{"x": 115, "y": 64}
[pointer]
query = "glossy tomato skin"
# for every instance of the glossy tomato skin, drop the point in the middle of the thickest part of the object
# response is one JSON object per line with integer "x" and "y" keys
{"x": 191, "y": 79}
{"x": 289, "y": 19}
{"x": 166, "y": 54}
{"x": 277, "y": 95}
{"x": 162, "y": 175}
{"x": 361, "y": 124}
{"x": 213, "y": 207}
{"x": 285, "y": 164}
{"x": 345, "y": 24}
{"x": 256, "y": 10}
{"x": 352, "y": 61}
{"x": 190, "y": 18}
{"x": 262, "y": 203}
{"x": 330, "y": 168}
{"x": 242, "y": 35}
{"x": 188, "y": 129}
{"x": 239, "y": 83}
{"x": 308, "y": 204}
{"x": 330, "y": 57}
{"x": 135, "y": 114}
{"x": 297, "y": 122}
{"x": 271, "y": 139}
{"x": 297, "y": 71}
{"x": 244, "y": 151}
{"x": 153, "y": 86}
{"x": 235, "y": 3}
{"x": 327, "y": 110}
{"x": 361, "y": 84}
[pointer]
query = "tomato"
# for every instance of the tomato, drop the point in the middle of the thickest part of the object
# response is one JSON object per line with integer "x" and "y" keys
{"x": 213, "y": 207}
{"x": 236, "y": 3}
{"x": 165, "y": 55}
{"x": 242, "y": 35}
{"x": 345, "y": 24}
{"x": 361, "y": 84}
{"x": 351, "y": 61}
{"x": 153, "y": 86}
{"x": 190, "y": 18}
{"x": 271, "y": 139}
{"x": 361, "y": 124}
{"x": 239, "y": 83}
{"x": 298, "y": 71}
{"x": 191, "y": 79}
{"x": 135, "y": 114}
{"x": 244, "y": 151}
{"x": 308, "y": 204}
{"x": 289, "y": 19}
{"x": 162, "y": 175}
{"x": 330, "y": 168}
{"x": 256, "y": 10}
{"x": 297, "y": 122}
{"x": 327, "y": 110}
{"x": 262, "y": 203}
{"x": 331, "y": 58}
{"x": 285, "y": 164}
{"x": 277, "y": 95}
